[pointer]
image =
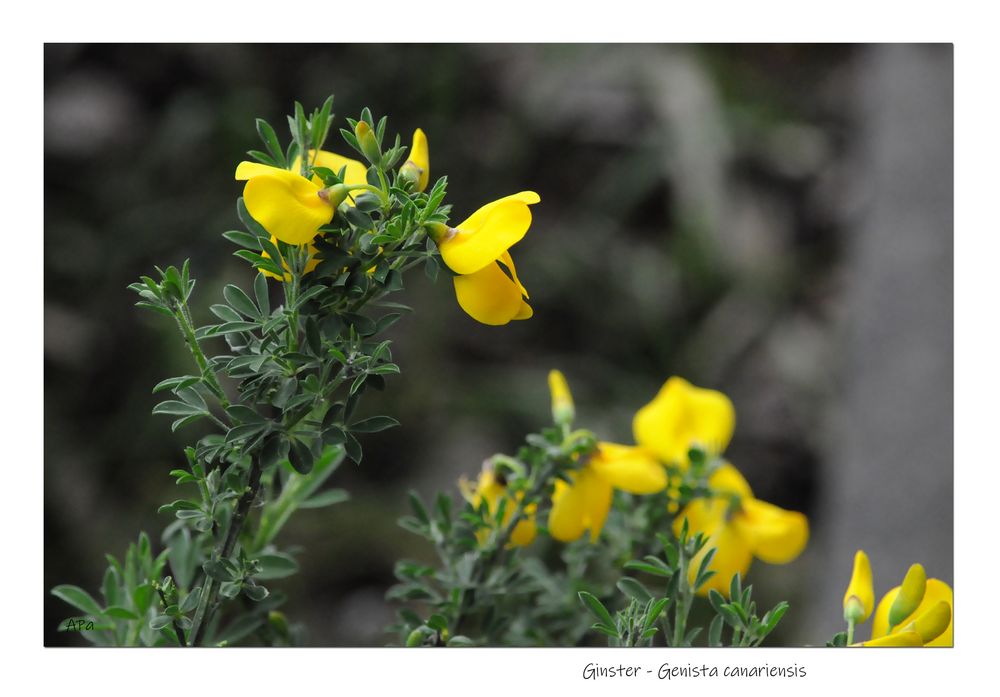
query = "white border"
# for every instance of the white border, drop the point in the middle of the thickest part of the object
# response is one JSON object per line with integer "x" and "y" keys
{"x": 496, "y": 671}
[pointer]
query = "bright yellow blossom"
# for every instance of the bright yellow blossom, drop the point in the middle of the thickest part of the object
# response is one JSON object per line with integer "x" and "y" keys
{"x": 492, "y": 490}
{"x": 562, "y": 400}
{"x": 682, "y": 416}
{"x": 931, "y": 617}
{"x": 740, "y": 528}
{"x": 584, "y": 504}
{"x": 859, "y": 599}
{"x": 477, "y": 250}
{"x": 289, "y": 206}
{"x": 417, "y": 168}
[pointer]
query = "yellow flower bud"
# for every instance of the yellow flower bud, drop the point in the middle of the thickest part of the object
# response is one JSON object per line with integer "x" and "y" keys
{"x": 417, "y": 169}
{"x": 562, "y": 400}
{"x": 909, "y": 596}
{"x": 932, "y": 623}
{"x": 367, "y": 142}
{"x": 859, "y": 600}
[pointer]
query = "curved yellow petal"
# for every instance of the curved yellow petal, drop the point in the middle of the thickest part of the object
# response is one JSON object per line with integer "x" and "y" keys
{"x": 287, "y": 205}
{"x": 859, "y": 599}
{"x": 909, "y": 638}
{"x": 775, "y": 536}
{"x": 486, "y": 235}
{"x": 475, "y": 220}
{"x": 248, "y": 170}
{"x": 420, "y": 156}
{"x": 628, "y": 468}
{"x": 489, "y": 296}
{"x": 682, "y": 416}
{"x": 727, "y": 480}
{"x": 355, "y": 172}
{"x": 525, "y": 530}
{"x": 582, "y": 505}
{"x": 732, "y": 554}
{"x": 507, "y": 260}
{"x": 935, "y": 591}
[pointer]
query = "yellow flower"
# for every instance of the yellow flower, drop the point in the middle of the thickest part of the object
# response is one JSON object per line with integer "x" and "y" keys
{"x": 417, "y": 169}
{"x": 289, "y": 206}
{"x": 859, "y": 599}
{"x": 740, "y": 528}
{"x": 477, "y": 250}
{"x": 311, "y": 263}
{"x": 682, "y": 416}
{"x": 926, "y": 610}
{"x": 584, "y": 504}
{"x": 492, "y": 491}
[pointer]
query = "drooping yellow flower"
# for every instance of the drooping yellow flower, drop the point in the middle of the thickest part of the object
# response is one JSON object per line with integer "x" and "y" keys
{"x": 683, "y": 416}
{"x": 584, "y": 504}
{"x": 740, "y": 528}
{"x": 417, "y": 169}
{"x": 289, "y": 206}
{"x": 859, "y": 599}
{"x": 477, "y": 250}
{"x": 492, "y": 490}
{"x": 311, "y": 263}
{"x": 930, "y": 617}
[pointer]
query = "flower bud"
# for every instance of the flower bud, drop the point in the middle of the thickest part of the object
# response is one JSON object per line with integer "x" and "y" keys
{"x": 367, "y": 142}
{"x": 278, "y": 622}
{"x": 859, "y": 600}
{"x": 334, "y": 195}
{"x": 417, "y": 169}
{"x": 562, "y": 401}
{"x": 909, "y": 596}
{"x": 439, "y": 232}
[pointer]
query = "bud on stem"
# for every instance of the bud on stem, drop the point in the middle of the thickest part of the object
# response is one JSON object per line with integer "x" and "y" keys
{"x": 367, "y": 142}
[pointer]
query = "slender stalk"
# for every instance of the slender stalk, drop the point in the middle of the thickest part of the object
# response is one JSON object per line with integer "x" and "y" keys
{"x": 183, "y": 317}
{"x": 210, "y": 590}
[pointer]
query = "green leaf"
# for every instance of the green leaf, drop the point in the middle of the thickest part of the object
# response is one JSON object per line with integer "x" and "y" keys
{"x": 120, "y": 613}
{"x": 142, "y": 597}
{"x": 160, "y": 621}
{"x": 78, "y": 598}
{"x": 596, "y": 608}
{"x": 633, "y": 589}
{"x": 218, "y": 570}
{"x": 327, "y": 498}
{"x": 635, "y": 565}
{"x": 255, "y": 592}
{"x": 373, "y": 424}
{"x": 243, "y": 239}
{"x": 276, "y": 565}
{"x": 270, "y": 140}
{"x": 715, "y": 632}
{"x": 240, "y": 301}
{"x": 177, "y": 383}
{"x": 176, "y": 408}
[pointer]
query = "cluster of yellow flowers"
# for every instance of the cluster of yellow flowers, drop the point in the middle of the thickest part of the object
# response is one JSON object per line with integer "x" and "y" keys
{"x": 681, "y": 417}
{"x": 294, "y": 209}
{"x": 918, "y": 612}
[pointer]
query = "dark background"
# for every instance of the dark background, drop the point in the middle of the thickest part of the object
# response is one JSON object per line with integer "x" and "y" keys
{"x": 771, "y": 220}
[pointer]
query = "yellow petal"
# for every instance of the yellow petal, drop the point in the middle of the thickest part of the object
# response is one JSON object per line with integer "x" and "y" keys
{"x": 935, "y": 591}
{"x": 524, "y": 312}
{"x": 930, "y": 624}
{"x": 582, "y": 505}
{"x": 682, "y": 416}
{"x": 775, "y": 536}
{"x": 525, "y": 530}
{"x": 311, "y": 263}
{"x": 728, "y": 481}
{"x": 562, "y": 398}
{"x": 860, "y": 595}
{"x": 248, "y": 170}
{"x": 628, "y": 468}
{"x": 489, "y": 296}
{"x": 487, "y": 234}
{"x": 732, "y": 555}
{"x": 355, "y": 172}
{"x": 420, "y": 156}
{"x": 901, "y": 639}
{"x": 287, "y": 205}
{"x": 508, "y": 261}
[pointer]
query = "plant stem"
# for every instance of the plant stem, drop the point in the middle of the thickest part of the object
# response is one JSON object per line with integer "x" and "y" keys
{"x": 183, "y": 317}
{"x": 210, "y": 589}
